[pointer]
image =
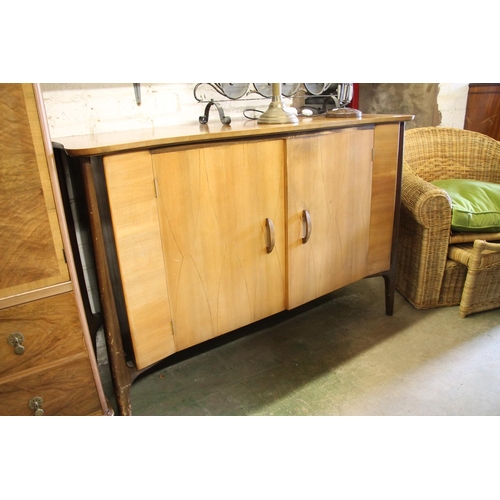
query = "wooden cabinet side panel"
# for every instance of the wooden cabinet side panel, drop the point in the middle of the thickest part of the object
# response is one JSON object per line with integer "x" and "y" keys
{"x": 132, "y": 199}
{"x": 213, "y": 207}
{"x": 385, "y": 167}
{"x": 31, "y": 248}
{"x": 329, "y": 175}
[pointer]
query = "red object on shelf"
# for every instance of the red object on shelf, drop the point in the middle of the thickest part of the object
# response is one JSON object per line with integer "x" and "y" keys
{"x": 355, "y": 97}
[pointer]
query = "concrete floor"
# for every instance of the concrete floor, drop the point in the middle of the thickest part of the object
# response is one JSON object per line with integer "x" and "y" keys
{"x": 340, "y": 355}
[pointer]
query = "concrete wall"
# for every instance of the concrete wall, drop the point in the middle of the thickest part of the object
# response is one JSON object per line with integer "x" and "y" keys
{"x": 419, "y": 99}
{"x": 433, "y": 104}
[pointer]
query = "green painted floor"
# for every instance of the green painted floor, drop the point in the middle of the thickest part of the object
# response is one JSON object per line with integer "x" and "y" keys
{"x": 340, "y": 355}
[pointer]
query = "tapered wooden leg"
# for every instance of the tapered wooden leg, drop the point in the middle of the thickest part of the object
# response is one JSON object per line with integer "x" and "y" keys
{"x": 389, "y": 293}
{"x": 122, "y": 374}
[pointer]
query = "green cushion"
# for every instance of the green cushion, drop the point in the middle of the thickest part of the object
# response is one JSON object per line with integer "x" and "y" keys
{"x": 475, "y": 204}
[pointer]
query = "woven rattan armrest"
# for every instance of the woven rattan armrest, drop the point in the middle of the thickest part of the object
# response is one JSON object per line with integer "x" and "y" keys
{"x": 429, "y": 205}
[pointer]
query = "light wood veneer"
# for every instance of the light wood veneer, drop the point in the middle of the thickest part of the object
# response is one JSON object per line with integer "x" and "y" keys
{"x": 213, "y": 203}
{"x": 330, "y": 176}
{"x": 200, "y": 230}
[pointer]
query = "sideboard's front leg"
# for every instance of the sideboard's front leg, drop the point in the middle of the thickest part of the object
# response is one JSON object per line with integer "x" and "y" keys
{"x": 114, "y": 323}
{"x": 389, "y": 281}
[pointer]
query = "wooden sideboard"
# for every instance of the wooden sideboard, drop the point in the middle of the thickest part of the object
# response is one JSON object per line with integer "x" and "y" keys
{"x": 200, "y": 230}
{"x": 47, "y": 360}
{"x": 482, "y": 113}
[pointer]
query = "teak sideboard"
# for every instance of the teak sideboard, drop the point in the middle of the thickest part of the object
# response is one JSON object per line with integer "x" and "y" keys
{"x": 47, "y": 361}
{"x": 199, "y": 230}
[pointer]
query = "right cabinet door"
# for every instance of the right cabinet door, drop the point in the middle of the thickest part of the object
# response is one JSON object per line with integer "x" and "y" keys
{"x": 221, "y": 212}
{"x": 329, "y": 191}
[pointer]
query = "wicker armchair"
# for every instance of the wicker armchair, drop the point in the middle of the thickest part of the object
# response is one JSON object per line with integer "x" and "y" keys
{"x": 425, "y": 275}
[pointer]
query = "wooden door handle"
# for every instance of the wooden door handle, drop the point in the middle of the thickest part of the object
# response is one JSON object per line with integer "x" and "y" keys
{"x": 271, "y": 237}
{"x": 307, "y": 219}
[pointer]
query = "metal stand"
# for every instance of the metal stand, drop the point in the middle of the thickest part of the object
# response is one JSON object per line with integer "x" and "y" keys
{"x": 225, "y": 120}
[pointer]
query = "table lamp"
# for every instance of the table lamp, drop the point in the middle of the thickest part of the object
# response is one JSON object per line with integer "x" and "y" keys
{"x": 276, "y": 114}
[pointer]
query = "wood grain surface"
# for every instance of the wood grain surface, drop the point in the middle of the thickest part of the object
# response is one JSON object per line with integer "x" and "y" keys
{"x": 213, "y": 206}
{"x": 31, "y": 248}
{"x": 482, "y": 113}
{"x": 67, "y": 388}
{"x": 194, "y": 133}
{"x": 385, "y": 165}
{"x": 51, "y": 329}
{"x": 329, "y": 175}
{"x": 136, "y": 228}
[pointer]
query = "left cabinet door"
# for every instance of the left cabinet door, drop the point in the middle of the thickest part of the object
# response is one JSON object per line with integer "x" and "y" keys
{"x": 31, "y": 248}
{"x": 221, "y": 211}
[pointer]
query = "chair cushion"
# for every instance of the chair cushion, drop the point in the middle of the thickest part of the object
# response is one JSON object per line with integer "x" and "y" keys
{"x": 475, "y": 204}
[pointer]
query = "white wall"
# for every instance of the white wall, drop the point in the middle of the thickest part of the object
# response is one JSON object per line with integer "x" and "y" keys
{"x": 81, "y": 109}
{"x": 452, "y": 101}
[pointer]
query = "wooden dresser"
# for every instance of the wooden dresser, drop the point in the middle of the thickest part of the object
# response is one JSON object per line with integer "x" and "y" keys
{"x": 47, "y": 363}
{"x": 483, "y": 109}
{"x": 200, "y": 230}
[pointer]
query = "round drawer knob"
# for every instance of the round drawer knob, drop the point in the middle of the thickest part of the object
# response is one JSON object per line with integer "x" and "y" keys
{"x": 16, "y": 340}
{"x": 35, "y": 404}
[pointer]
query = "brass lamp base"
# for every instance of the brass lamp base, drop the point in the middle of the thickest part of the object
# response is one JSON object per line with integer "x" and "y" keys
{"x": 276, "y": 114}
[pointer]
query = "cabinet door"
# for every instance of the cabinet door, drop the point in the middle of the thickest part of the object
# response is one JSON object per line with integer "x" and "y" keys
{"x": 31, "y": 248}
{"x": 218, "y": 207}
{"x": 136, "y": 229}
{"x": 329, "y": 181}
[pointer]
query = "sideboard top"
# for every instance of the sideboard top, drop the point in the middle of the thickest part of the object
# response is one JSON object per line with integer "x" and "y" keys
{"x": 133, "y": 140}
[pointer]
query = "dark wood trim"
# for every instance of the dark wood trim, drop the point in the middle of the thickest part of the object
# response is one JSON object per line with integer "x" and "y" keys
{"x": 115, "y": 324}
{"x": 390, "y": 275}
{"x": 68, "y": 180}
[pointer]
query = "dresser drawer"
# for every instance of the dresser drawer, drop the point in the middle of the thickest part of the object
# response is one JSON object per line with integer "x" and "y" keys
{"x": 50, "y": 329}
{"x": 66, "y": 388}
